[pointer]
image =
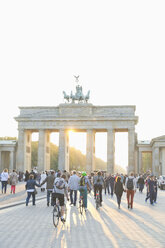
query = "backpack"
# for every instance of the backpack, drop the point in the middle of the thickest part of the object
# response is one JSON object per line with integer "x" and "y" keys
{"x": 82, "y": 181}
{"x": 60, "y": 184}
{"x": 130, "y": 183}
{"x": 98, "y": 180}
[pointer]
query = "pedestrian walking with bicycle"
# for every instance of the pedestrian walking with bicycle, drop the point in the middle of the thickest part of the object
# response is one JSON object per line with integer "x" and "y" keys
{"x": 118, "y": 190}
{"x": 60, "y": 189}
{"x": 84, "y": 184}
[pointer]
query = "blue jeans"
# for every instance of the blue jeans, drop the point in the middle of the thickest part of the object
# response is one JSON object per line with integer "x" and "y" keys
{"x": 83, "y": 192}
{"x": 49, "y": 192}
{"x": 75, "y": 196}
{"x": 4, "y": 186}
{"x": 28, "y": 197}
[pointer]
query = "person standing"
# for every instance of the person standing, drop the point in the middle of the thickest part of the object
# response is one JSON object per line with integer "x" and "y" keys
{"x": 73, "y": 185}
{"x": 30, "y": 188}
{"x": 130, "y": 186}
{"x": 4, "y": 180}
{"x": 49, "y": 180}
{"x": 156, "y": 189}
{"x": 118, "y": 190}
{"x": 13, "y": 181}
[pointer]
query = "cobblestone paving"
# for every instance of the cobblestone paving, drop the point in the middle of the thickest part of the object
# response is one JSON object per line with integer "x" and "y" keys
{"x": 32, "y": 226}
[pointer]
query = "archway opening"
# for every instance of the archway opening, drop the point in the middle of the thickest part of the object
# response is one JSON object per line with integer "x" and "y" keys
{"x": 77, "y": 150}
{"x": 101, "y": 151}
{"x": 121, "y": 152}
{"x": 54, "y": 145}
{"x": 34, "y": 150}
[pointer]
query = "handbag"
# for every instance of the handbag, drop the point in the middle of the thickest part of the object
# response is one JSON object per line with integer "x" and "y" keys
{"x": 35, "y": 192}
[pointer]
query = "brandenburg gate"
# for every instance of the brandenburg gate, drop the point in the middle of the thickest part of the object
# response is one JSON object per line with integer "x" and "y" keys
{"x": 81, "y": 117}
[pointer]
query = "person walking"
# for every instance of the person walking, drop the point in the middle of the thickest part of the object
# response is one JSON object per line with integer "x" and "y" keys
{"x": 30, "y": 188}
{"x": 27, "y": 175}
{"x": 118, "y": 190}
{"x": 156, "y": 189}
{"x": 73, "y": 185}
{"x": 151, "y": 189}
{"x": 140, "y": 183}
{"x": 130, "y": 186}
{"x": 112, "y": 181}
{"x": 49, "y": 180}
{"x": 13, "y": 181}
{"x": 4, "y": 180}
{"x": 106, "y": 184}
{"x": 98, "y": 182}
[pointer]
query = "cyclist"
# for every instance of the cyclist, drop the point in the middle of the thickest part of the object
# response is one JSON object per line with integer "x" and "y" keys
{"x": 98, "y": 182}
{"x": 84, "y": 184}
{"x": 60, "y": 189}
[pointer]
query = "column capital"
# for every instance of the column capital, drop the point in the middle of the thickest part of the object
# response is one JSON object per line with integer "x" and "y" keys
{"x": 131, "y": 129}
{"x": 111, "y": 130}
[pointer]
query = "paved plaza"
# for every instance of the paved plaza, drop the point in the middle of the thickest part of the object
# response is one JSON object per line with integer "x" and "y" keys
{"x": 32, "y": 226}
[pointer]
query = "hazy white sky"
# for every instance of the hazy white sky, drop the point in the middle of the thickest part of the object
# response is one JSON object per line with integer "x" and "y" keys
{"x": 117, "y": 48}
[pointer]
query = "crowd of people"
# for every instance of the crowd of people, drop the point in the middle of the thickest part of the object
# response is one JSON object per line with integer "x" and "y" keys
{"x": 62, "y": 183}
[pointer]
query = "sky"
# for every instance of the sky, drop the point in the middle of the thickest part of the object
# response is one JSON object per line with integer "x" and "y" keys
{"x": 117, "y": 48}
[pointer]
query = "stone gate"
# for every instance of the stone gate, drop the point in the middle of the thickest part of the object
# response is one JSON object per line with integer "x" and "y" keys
{"x": 81, "y": 117}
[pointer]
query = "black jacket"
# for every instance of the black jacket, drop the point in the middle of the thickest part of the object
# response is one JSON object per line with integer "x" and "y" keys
{"x": 119, "y": 188}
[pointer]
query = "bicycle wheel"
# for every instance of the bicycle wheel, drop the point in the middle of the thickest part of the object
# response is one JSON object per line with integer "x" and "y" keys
{"x": 81, "y": 206}
{"x": 56, "y": 215}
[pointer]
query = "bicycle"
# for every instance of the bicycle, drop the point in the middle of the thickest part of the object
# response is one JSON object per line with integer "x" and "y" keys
{"x": 81, "y": 204}
{"x": 57, "y": 213}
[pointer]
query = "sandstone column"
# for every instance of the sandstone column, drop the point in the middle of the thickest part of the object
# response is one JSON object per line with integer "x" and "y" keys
{"x": 110, "y": 150}
{"x": 131, "y": 150}
{"x": 0, "y": 161}
{"x": 43, "y": 151}
{"x": 28, "y": 140}
{"x": 90, "y": 151}
{"x": 11, "y": 165}
{"x": 20, "y": 166}
{"x": 140, "y": 163}
{"x": 163, "y": 161}
{"x": 63, "y": 152}
{"x": 155, "y": 161}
